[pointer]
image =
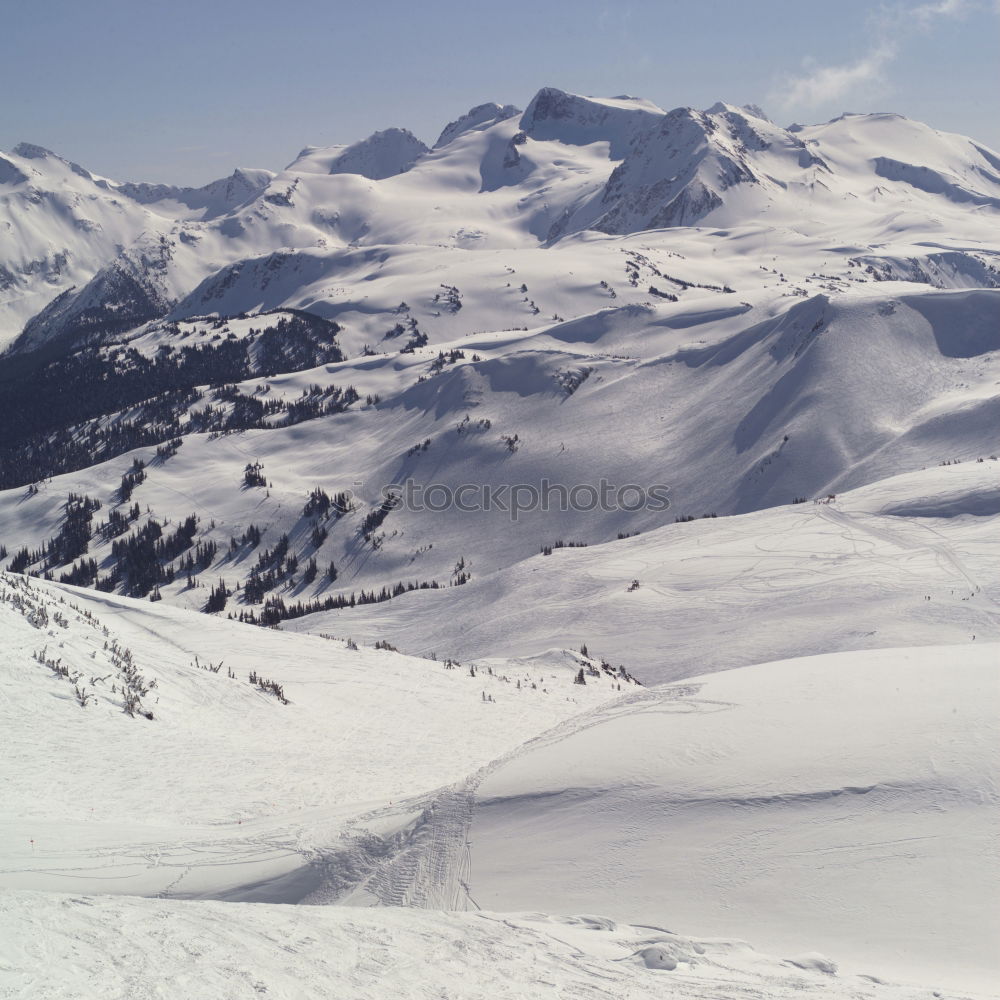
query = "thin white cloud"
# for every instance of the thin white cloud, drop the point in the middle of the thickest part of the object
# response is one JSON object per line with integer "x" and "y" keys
{"x": 924, "y": 14}
{"x": 942, "y": 8}
{"x": 819, "y": 85}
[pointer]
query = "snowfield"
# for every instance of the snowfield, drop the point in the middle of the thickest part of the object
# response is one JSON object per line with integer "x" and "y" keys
{"x": 850, "y": 799}
{"x": 776, "y": 390}
{"x": 201, "y": 798}
{"x": 911, "y": 560}
{"x": 845, "y": 802}
{"x": 215, "y": 951}
{"x": 266, "y": 733}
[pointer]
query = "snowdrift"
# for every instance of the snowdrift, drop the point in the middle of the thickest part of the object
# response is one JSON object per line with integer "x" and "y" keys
{"x": 848, "y": 799}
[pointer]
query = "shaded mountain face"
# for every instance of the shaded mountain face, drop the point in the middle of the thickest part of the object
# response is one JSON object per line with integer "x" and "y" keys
{"x": 477, "y": 119}
{"x": 381, "y": 155}
{"x": 124, "y": 293}
{"x": 678, "y": 172}
{"x": 578, "y": 121}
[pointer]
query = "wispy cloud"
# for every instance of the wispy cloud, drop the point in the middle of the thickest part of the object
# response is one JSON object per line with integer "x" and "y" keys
{"x": 820, "y": 84}
{"x": 817, "y": 84}
{"x": 926, "y": 12}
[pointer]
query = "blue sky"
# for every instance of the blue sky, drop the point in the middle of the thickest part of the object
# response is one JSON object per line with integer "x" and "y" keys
{"x": 182, "y": 92}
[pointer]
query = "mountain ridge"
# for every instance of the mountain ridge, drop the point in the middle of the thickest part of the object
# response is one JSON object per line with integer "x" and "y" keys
{"x": 530, "y": 270}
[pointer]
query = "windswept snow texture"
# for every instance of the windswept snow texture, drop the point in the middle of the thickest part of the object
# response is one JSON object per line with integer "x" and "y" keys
{"x": 216, "y": 952}
{"x": 849, "y": 799}
{"x": 204, "y": 798}
{"x": 846, "y": 802}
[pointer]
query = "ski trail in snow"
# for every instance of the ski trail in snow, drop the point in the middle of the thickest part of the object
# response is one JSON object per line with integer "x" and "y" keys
{"x": 428, "y": 863}
{"x": 945, "y": 556}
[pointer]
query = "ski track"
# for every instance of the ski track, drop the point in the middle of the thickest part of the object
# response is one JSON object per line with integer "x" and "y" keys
{"x": 944, "y": 557}
{"x": 428, "y": 864}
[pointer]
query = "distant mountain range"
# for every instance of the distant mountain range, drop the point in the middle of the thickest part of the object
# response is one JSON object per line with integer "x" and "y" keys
{"x": 589, "y": 288}
{"x": 496, "y": 178}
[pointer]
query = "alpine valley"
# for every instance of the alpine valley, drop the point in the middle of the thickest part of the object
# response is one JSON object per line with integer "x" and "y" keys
{"x": 497, "y": 749}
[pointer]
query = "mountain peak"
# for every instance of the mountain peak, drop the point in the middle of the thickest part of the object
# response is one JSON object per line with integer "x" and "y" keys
{"x": 213, "y": 199}
{"x": 757, "y": 111}
{"x": 478, "y": 118}
{"x": 383, "y": 154}
{"x": 743, "y": 110}
{"x": 557, "y": 115}
{"x": 30, "y": 151}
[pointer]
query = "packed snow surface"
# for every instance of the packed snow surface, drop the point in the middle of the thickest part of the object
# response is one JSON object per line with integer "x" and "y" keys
{"x": 226, "y": 786}
{"x": 216, "y": 951}
{"x": 850, "y": 799}
{"x": 846, "y": 802}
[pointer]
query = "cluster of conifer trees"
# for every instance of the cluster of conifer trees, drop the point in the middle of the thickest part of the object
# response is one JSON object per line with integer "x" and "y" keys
{"x": 54, "y": 405}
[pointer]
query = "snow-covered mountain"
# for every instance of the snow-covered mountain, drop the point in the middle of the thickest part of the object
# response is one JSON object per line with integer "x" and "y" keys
{"x": 260, "y": 765}
{"x": 384, "y": 154}
{"x": 214, "y": 199}
{"x": 479, "y": 118}
{"x": 788, "y": 338}
{"x": 500, "y": 178}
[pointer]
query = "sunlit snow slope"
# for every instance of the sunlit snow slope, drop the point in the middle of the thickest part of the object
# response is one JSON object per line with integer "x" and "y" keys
{"x": 913, "y": 560}
{"x": 850, "y": 799}
{"x": 226, "y": 786}
{"x": 215, "y": 951}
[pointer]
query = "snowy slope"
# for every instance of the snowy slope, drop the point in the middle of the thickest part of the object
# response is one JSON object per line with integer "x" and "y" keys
{"x": 916, "y": 375}
{"x": 850, "y": 799}
{"x": 726, "y": 805}
{"x": 216, "y": 951}
{"x": 722, "y": 592}
{"x": 796, "y": 330}
{"x": 201, "y": 798}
